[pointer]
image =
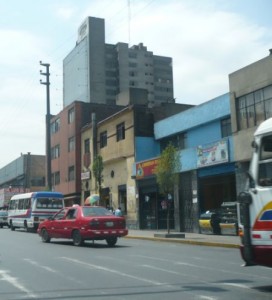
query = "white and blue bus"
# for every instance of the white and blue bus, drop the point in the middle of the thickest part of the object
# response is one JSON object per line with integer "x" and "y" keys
{"x": 29, "y": 209}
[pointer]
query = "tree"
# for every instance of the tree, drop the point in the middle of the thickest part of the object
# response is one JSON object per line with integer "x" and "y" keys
{"x": 97, "y": 168}
{"x": 167, "y": 174}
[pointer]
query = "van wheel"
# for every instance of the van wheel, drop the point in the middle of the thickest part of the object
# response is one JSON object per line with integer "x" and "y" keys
{"x": 77, "y": 238}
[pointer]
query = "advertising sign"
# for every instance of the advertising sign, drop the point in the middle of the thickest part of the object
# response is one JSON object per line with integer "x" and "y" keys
{"x": 146, "y": 168}
{"x": 212, "y": 154}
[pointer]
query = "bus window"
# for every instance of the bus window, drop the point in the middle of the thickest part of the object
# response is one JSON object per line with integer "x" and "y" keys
{"x": 47, "y": 203}
{"x": 27, "y": 203}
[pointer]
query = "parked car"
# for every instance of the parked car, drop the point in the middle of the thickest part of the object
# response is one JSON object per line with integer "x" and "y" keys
{"x": 81, "y": 223}
{"x": 3, "y": 218}
{"x": 229, "y": 218}
{"x": 209, "y": 222}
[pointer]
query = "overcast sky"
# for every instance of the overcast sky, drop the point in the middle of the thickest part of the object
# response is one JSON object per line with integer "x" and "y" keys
{"x": 207, "y": 39}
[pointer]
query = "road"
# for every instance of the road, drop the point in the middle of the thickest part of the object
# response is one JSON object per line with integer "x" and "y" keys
{"x": 134, "y": 269}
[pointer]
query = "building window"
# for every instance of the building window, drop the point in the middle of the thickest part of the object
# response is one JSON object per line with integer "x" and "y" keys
{"x": 87, "y": 146}
{"x": 179, "y": 141}
{"x": 38, "y": 181}
{"x": 56, "y": 178}
{"x": 55, "y": 152}
{"x": 103, "y": 139}
{"x": 120, "y": 131}
{"x": 254, "y": 108}
{"x": 71, "y": 173}
{"x": 132, "y": 64}
{"x": 132, "y": 55}
{"x": 71, "y": 115}
{"x": 132, "y": 73}
{"x": 55, "y": 126}
{"x": 226, "y": 127}
{"x": 87, "y": 154}
{"x": 71, "y": 144}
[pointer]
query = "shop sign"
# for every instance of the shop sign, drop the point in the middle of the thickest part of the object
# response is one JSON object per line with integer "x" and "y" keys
{"x": 212, "y": 154}
{"x": 146, "y": 168}
{"x": 85, "y": 175}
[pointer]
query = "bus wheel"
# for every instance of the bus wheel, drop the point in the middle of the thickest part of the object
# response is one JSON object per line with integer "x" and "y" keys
{"x": 25, "y": 225}
{"x": 12, "y": 228}
{"x": 45, "y": 236}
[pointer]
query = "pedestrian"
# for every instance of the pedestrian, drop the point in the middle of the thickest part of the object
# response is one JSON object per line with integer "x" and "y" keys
{"x": 118, "y": 212}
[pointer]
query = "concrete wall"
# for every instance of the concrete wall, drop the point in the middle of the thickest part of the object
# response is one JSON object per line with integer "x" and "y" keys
{"x": 241, "y": 82}
{"x": 75, "y": 75}
{"x": 217, "y": 108}
{"x": 202, "y": 125}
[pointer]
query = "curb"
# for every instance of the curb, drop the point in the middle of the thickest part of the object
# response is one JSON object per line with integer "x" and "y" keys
{"x": 180, "y": 241}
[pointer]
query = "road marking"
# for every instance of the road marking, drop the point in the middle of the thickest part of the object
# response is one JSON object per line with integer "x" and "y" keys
{"x": 206, "y": 297}
{"x": 15, "y": 282}
{"x": 101, "y": 268}
{"x": 251, "y": 275}
{"x": 40, "y": 266}
{"x": 160, "y": 269}
{"x": 239, "y": 285}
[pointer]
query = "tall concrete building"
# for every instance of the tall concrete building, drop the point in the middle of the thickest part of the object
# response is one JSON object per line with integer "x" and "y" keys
{"x": 97, "y": 72}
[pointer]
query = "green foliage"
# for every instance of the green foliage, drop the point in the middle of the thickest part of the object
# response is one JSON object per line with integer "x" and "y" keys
{"x": 167, "y": 169}
{"x": 167, "y": 174}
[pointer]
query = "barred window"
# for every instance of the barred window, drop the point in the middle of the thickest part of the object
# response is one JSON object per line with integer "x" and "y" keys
{"x": 55, "y": 152}
{"x": 71, "y": 144}
{"x": 71, "y": 173}
{"x": 55, "y": 126}
{"x": 87, "y": 146}
{"x": 120, "y": 131}
{"x": 226, "y": 127}
{"x": 254, "y": 108}
{"x": 71, "y": 115}
{"x": 103, "y": 139}
{"x": 179, "y": 141}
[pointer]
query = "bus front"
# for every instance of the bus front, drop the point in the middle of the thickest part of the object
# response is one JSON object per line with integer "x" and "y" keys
{"x": 256, "y": 201}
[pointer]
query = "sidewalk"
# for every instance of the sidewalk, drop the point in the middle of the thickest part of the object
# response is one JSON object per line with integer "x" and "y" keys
{"x": 227, "y": 241}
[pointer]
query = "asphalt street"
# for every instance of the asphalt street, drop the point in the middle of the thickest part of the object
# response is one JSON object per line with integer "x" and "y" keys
{"x": 137, "y": 268}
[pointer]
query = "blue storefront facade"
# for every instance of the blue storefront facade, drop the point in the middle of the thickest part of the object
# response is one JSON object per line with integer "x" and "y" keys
{"x": 207, "y": 174}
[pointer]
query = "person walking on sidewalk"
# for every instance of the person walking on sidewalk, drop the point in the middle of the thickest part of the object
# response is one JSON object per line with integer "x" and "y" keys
{"x": 118, "y": 212}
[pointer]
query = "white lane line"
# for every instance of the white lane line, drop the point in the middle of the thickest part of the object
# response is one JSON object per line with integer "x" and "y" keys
{"x": 239, "y": 285}
{"x": 160, "y": 269}
{"x": 101, "y": 268}
{"x": 15, "y": 282}
{"x": 206, "y": 297}
{"x": 39, "y": 265}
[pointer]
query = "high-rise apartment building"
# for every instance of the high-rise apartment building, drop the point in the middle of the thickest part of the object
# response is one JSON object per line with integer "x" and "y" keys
{"x": 97, "y": 72}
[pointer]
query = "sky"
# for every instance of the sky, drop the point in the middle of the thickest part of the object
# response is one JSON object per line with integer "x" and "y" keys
{"x": 207, "y": 40}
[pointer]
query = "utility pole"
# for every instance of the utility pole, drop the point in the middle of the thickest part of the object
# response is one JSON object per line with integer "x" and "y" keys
{"x": 48, "y": 135}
